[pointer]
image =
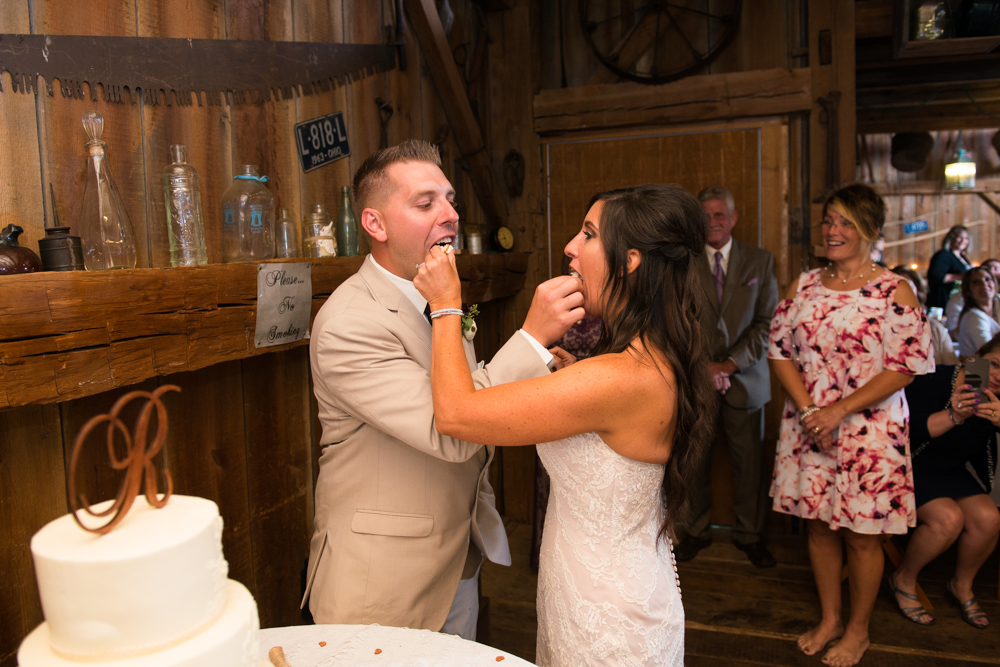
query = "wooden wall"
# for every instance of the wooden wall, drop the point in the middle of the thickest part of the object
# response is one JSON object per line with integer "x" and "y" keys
{"x": 243, "y": 433}
{"x": 941, "y": 211}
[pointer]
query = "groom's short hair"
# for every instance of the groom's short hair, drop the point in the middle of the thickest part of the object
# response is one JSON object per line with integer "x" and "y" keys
{"x": 371, "y": 181}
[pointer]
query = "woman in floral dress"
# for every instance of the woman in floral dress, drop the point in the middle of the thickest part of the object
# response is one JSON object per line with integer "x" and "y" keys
{"x": 844, "y": 343}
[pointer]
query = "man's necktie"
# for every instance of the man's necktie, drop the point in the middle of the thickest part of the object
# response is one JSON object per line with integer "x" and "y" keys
{"x": 720, "y": 277}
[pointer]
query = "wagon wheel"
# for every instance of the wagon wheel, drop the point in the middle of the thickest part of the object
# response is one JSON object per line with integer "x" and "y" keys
{"x": 655, "y": 41}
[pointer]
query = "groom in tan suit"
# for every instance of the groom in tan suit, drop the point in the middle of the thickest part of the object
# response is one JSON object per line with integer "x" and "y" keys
{"x": 404, "y": 514}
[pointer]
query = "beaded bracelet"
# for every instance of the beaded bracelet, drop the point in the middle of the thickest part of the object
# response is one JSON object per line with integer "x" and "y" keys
{"x": 446, "y": 311}
{"x": 951, "y": 416}
{"x": 806, "y": 411}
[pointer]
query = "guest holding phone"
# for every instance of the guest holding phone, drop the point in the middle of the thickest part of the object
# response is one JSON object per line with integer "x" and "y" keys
{"x": 976, "y": 324}
{"x": 952, "y": 422}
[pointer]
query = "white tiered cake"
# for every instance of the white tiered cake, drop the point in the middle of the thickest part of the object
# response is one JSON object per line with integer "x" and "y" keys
{"x": 153, "y": 592}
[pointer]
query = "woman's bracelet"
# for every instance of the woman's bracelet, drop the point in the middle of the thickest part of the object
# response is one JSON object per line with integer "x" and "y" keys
{"x": 446, "y": 311}
{"x": 806, "y": 411}
{"x": 951, "y": 416}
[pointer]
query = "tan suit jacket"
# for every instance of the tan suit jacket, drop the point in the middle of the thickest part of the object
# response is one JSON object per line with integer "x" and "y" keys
{"x": 397, "y": 503}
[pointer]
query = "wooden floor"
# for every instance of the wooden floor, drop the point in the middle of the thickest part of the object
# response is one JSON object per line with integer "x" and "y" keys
{"x": 741, "y": 616}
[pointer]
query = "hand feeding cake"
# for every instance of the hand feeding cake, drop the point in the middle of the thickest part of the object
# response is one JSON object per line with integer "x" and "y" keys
{"x": 151, "y": 593}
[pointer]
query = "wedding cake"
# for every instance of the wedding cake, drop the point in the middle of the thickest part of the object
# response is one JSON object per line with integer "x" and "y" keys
{"x": 153, "y": 592}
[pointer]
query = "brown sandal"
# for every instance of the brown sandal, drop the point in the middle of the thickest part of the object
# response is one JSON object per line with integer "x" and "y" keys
{"x": 911, "y": 613}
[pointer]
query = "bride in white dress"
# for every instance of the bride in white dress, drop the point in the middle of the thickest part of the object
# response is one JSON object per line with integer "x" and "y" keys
{"x": 623, "y": 430}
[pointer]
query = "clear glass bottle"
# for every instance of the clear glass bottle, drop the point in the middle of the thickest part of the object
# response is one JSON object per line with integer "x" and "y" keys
{"x": 182, "y": 198}
{"x": 104, "y": 225}
{"x": 247, "y": 218}
{"x": 317, "y": 234}
{"x": 286, "y": 242}
{"x": 347, "y": 226}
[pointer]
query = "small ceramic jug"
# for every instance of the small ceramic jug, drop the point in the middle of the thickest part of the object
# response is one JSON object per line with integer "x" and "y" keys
{"x": 15, "y": 258}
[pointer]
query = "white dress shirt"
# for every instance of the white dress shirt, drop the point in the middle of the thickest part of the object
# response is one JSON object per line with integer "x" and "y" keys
{"x": 420, "y": 303}
{"x": 710, "y": 253}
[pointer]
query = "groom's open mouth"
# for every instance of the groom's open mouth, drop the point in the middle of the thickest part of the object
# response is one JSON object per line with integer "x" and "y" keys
{"x": 446, "y": 241}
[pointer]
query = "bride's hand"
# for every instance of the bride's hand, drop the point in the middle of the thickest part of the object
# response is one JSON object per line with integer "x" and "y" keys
{"x": 437, "y": 280}
{"x": 562, "y": 357}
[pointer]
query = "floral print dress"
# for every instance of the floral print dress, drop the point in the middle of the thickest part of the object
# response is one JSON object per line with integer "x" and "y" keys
{"x": 838, "y": 341}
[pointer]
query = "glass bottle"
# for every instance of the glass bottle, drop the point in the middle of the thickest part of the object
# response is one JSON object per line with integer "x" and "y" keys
{"x": 286, "y": 243}
{"x": 347, "y": 226}
{"x": 247, "y": 218}
{"x": 182, "y": 197}
{"x": 317, "y": 234}
{"x": 104, "y": 225}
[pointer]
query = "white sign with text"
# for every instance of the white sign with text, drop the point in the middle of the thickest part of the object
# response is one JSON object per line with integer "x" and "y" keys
{"x": 284, "y": 302}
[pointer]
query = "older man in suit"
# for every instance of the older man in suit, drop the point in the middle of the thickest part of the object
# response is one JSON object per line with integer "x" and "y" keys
{"x": 404, "y": 515}
{"x": 740, "y": 297}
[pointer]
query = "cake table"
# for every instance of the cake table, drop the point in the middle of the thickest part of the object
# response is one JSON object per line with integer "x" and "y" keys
{"x": 355, "y": 645}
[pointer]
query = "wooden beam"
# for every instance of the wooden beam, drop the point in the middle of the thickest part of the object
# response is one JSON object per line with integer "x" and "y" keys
{"x": 832, "y": 64}
{"x": 696, "y": 98}
{"x": 630, "y": 49}
{"x": 874, "y": 19}
{"x": 447, "y": 80}
{"x": 933, "y": 188}
{"x": 70, "y": 335}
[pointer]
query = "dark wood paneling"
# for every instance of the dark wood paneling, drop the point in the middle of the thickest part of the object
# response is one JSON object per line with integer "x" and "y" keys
{"x": 206, "y": 454}
{"x": 32, "y": 493}
{"x": 276, "y": 422}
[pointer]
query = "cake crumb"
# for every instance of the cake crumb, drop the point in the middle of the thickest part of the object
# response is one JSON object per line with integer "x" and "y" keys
{"x": 322, "y": 643}
{"x": 499, "y": 658}
{"x": 377, "y": 651}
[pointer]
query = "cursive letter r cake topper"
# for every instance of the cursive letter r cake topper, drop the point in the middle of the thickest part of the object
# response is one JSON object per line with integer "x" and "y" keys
{"x": 137, "y": 464}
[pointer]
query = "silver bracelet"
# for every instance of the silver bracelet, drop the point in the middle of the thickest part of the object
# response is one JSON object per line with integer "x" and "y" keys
{"x": 446, "y": 311}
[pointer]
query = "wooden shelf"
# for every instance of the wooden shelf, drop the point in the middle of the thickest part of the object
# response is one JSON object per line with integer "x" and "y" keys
{"x": 69, "y": 335}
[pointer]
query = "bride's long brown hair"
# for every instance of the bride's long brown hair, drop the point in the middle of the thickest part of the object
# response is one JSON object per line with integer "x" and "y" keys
{"x": 659, "y": 304}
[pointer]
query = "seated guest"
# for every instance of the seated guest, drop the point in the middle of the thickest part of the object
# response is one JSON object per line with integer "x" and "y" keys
{"x": 953, "y": 312}
{"x": 944, "y": 349}
{"x": 994, "y": 268}
{"x": 947, "y": 266}
{"x": 949, "y": 426}
{"x": 977, "y": 326}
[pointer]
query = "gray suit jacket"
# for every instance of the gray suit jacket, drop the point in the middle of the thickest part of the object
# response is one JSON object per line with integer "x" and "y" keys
{"x": 401, "y": 510}
{"x": 739, "y": 327}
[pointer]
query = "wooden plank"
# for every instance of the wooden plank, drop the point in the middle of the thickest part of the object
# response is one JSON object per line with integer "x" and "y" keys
{"x": 84, "y": 333}
{"x": 835, "y": 21}
{"x": 696, "y": 98}
{"x": 423, "y": 18}
{"x": 20, "y": 168}
{"x": 32, "y": 493}
{"x": 278, "y": 482}
{"x": 61, "y": 134}
{"x": 206, "y": 454}
{"x": 322, "y": 22}
{"x": 874, "y": 19}
{"x": 890, "y": 189}
{"x": 202, "y": 129}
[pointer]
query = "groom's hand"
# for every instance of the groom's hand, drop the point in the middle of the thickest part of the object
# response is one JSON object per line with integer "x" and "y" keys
{"x": 556, "y": 306}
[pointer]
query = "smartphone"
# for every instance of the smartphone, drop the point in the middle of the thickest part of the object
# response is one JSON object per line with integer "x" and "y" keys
{"x": 977, "y": 374}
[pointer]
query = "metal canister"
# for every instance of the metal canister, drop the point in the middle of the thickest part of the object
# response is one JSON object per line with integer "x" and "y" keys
{"x": 474, "y": 244}
{"x": 60, "y": 250}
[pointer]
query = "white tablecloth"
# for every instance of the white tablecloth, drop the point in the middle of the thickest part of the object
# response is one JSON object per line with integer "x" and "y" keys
{"x": 355, "y": 645}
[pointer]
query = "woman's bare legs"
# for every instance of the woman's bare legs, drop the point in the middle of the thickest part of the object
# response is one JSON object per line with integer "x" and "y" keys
{"x": 976, "y": 543}
{"x": 825, "y": 554}
{"x": 941, "y": 523}
{"x": 864, "y": 566}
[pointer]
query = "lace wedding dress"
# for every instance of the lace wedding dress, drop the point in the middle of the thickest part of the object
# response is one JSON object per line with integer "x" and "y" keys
{"x": 608, "y": 592}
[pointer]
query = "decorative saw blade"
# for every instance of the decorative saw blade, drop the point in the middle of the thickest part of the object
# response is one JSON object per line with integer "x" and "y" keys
{"x": 237, "y": 71}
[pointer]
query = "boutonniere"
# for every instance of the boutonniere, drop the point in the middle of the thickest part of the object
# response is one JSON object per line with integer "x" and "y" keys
{"x": 469, "y": 327}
